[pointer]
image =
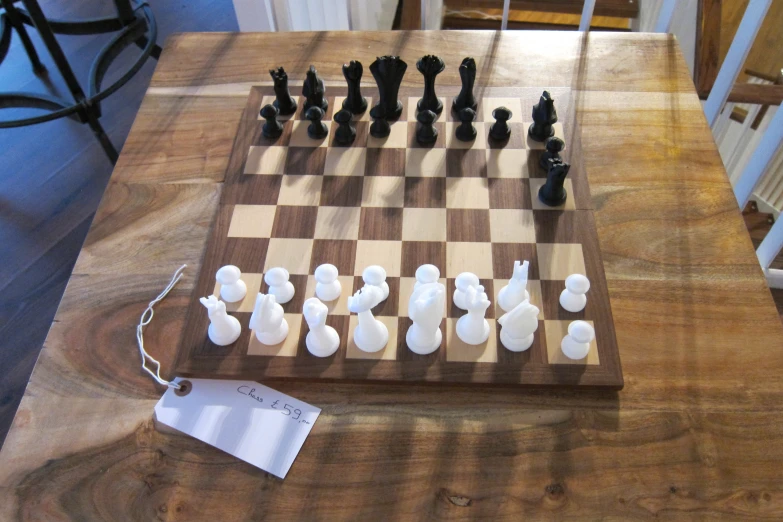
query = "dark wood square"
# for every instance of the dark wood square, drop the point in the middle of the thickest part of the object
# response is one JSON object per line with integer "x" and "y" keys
{"x": 558, "y": 226}
{"x": 339, "y": 252}
{"x": 296, "y": 222}
{"x": 425, "y": 193}
{"x": 362, "y": 131}
{"x": 417, "y": 372}
{"x": 535, "y": 355}
{"x": 504, "y": 255}
{"x": 385, "y": 162}
{"x": 417, "y": 253}
{"x": 380, "y": 223}
{"x": 342, "y": 191}
{"x": 550, "y": 300}
{"x": 253, "y": 189}
{"x": 466, "y": 163}
{"x": 440, "y": 142}
{"x": 260, "y": 140}
{"x": 515, "y": 141}
{"x": 341, "y": 323}
{"x": 464, "y": 224}
{"x": 294, "y": 306}
{"x": 308, "y": 161}
{"x": 388, "y": 306}
{"x": 534, "y": 170}
{"x": 453, "y": 312}
{"x": 509, "y": 193}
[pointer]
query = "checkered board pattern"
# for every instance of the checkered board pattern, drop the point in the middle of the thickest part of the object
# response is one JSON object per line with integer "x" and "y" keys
{"x": 297, "y": 203}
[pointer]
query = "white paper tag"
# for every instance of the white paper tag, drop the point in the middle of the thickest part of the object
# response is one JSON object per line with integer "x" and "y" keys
{"x": 251, "y": 421}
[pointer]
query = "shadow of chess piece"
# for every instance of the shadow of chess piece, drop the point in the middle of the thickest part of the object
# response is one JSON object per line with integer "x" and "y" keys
{"x": 499, "y": 130}
{"x": 466, "y": 131}
{"x": 345, "y": 133}
{"x": 283, "y": 101}
{"x": 313, "y": 90}
{"x": 544, "y": 116}
{"x": 430, "y": 66}
{"x": 380, "y": 128}
{"x": 317, "y": 129}
{"x": 465, "y": 99}
{"x": 354, "y": 102}
{"x": 388, "y": 72}
{"x": 426, "y": 133}
{"x": 553, "y": 193}
{"x": 553, "y": 148}
{"x": 272, "y": 129}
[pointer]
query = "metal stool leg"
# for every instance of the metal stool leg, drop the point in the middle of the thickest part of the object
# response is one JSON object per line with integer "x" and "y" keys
{"x": 15, "y": 21}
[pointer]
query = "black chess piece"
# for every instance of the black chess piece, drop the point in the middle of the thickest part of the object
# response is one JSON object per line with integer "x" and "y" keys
{"x": 553, "y": 193}
{"x": 313, "y": 90}
{"x": 467, "y": 73}
{"x": 426, "y": 133}
{"x": 544, "y": 116}
{"x": 354, "y": 102}
{"x": 554, "y": 146}
{"x": 466, "y": 131}
{"x": 380, "y": 128}
{"x": 388, "y": 72}
{"x": 272, "y": 129}
{"x": 345, "y": 133}
{"x": 283, "y": 101}
{"x": 317, "y": 129}
{"x": 430, "y": 66}
{"x": 499, "y": 130}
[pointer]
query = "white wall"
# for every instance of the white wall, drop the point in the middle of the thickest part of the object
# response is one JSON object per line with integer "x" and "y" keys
{"x": 683, "y": 25}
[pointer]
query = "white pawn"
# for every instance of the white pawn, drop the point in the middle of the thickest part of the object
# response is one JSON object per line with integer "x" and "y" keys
{"x": 576, "y": 345}
{"x": 279, "y": 285}
{"x": 573, "y": 298}
{"x": 371, "y": 335}
{"x": 375, "y": 275}
{"x": 463, "y": 281}
{"x": 322, "y": 340}
{"x": 223, "y": 328}
{"x": 519, "y": 325}
{"x": 426, "y": 274}
{"x": 267, "y": 320}
{"x": 472, "y": 327}
{"x": 232, "y": 288}
{"x": 327, "y": 286}
{"x": 516, "y": 290}
{"x": 425, "y": 309}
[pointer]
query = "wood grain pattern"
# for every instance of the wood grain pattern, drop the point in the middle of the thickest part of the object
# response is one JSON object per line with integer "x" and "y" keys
{"x": 695, "y": 432}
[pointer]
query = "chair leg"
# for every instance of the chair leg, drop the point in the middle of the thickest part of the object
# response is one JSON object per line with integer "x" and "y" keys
{"x": 103, "y": 138}
{"x": 15, "y": 21}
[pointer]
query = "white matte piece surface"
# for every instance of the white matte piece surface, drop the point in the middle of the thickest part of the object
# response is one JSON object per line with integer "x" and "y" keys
{"x": 576, "y": 345}
{"x": 473, "y": 328}
{"x": 232, "y": 288}
{"x": 223, "y": 328}
{"x": 425, "y": 308}
{"x": 516, "y": 290}
{"x": 279, "y": 285}
{"x": 268, "y": 321}
{"x": 573, "y": 298}
{"x": 519, "y": 325}
{"x": 426, "y": 274}
{"x": 322, "y": 340}
{"x": 371, "y": 335}
{"x": 463, "y": 281}
{"x": 327, "y": 286}
{"x": 375, "y": 275}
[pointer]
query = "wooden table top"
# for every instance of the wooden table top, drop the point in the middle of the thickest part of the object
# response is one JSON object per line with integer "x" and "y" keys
{"x": 694, "y": 433}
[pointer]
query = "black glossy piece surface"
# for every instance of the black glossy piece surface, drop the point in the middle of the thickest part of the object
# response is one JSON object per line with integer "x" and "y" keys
{"x": 465, "y": 99}
{"x": 317, "y": 129}
{"x": 553, "y": 148}
{"x": 380, "y": 128}
{"x": 544, "y": 116}
{"x": 346, "y": 132}
{"x": 388, "y": 72}
{"x": 272, "y": 129}
{"x": 466, "y": 131}
{"x": 500, "y": 130}
{"x": 430, "y": 66}
{"x": 283, "y": 100}
{"x": 553, "y": 193}
{"x": 354, "y": 102}
{"x": 426, "y": 133}
{"x": 313, "y": 90}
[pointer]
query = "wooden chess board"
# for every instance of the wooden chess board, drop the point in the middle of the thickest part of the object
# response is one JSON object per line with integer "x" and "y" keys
{"x": 297, "y": 203}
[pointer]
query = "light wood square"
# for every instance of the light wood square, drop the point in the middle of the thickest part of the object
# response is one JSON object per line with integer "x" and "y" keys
{"x": 555, "y": 331}
{"x": 387, "y": 353}
{"x": 511, "y": 226}
{"x": 337, "y": 223}
{"x": 266, "y": 160}
{"x": 533, "y": 288}
{"x": 469, "y": 257}
{"x": 299, "y": 137}
{"x": 253, "y": 283}
{"x": 425, "y": 163}
{"x": 413, "y": 111}
{"x": 269, "y": 100}
{"x": 507, "y": 163}
{"x": 340, "y": 305}
{"x": 556, "y": 261}
{"x": 397, "y": 138}
{"x": 291, "y": 254}
{"x": 345, "y": 161}
{"x": 540, "y": 145}
{"x": 424, "y": 224}
{"x": 388, "y": 254}
{"x": 467, "y": 193}
{"x": 406, "y": 291}
{"x": 252, "y": 221}
{"x": 300, "y": 191}
{"x": 512, "y": 104}
{"x": 365, "y": 116}
{"x": 453, "y": 143}
{"x": 535, "y": 186}
{"x": 459, "y": 351}
{"x": 383, "y": 191}
{"x": 289, "y": 345}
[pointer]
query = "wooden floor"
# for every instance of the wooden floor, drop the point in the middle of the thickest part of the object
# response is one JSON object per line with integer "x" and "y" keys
{"x": 52, "y": 177}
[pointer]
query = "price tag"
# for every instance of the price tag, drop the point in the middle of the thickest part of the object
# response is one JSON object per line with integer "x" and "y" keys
{"x": 251, "y": 421}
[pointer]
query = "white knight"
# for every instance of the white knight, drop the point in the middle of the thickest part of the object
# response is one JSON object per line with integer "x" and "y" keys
{"x": 268, "y": 321}
{"x": 518, "y": 326}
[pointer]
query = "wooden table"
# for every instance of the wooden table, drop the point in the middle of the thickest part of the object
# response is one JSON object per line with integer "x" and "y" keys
{"x": 696, "y": 431}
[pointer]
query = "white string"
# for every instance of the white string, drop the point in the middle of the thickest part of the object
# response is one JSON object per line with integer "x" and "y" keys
{"x": 146, "y": 317}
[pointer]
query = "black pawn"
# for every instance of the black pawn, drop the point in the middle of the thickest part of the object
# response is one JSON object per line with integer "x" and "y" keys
{"x": 499, "y": 130}
{"x": 553, "y": 193}
{"x": 380, "y": 128}
{"x": 553, "y": 148}
{"x": 272, "y": 129}
{"x": 426, "y": 133}
{"x": 313, "y": 90}
{"x": 283, "y": 101}
{"x": 345, "y": 133}
{"x": 430, "y": 66}
{"x": 467, "y": 73}
{"x": 317, "y": 129}
{"x": 544, "y": 116}
{"x": 354, "y": 102}
{"x": 466, "y": 131}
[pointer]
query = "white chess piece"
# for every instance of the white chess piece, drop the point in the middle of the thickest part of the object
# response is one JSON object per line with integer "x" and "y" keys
{"x": 322, "y": 340}
{"x": 576, "y": 345}
{"x": 268, "y": 321}
{"x": 573, "y": 298}
{"x": 518, "y": 326}
{"x": 223, "y": 328}
{"x": 463, "y": 281}
{"x": 516, "y": 290}
{"x": 232, "y": 288}
{"x": 473, "y": 328}
{"x": 279, "y": 285}
{"x": 426, "y": 274}
{"x": 327, "y": 286}
{"x": 425, "y": 309}
{"x": 371, "y": 335}
{"x": 375, "y": 275}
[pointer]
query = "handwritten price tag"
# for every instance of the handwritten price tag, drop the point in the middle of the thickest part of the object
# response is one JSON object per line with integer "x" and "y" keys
{"x": 251, "y": 421}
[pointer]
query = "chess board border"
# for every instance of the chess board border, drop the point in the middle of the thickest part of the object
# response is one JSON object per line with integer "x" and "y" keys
{"x": 198, "y": 357}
